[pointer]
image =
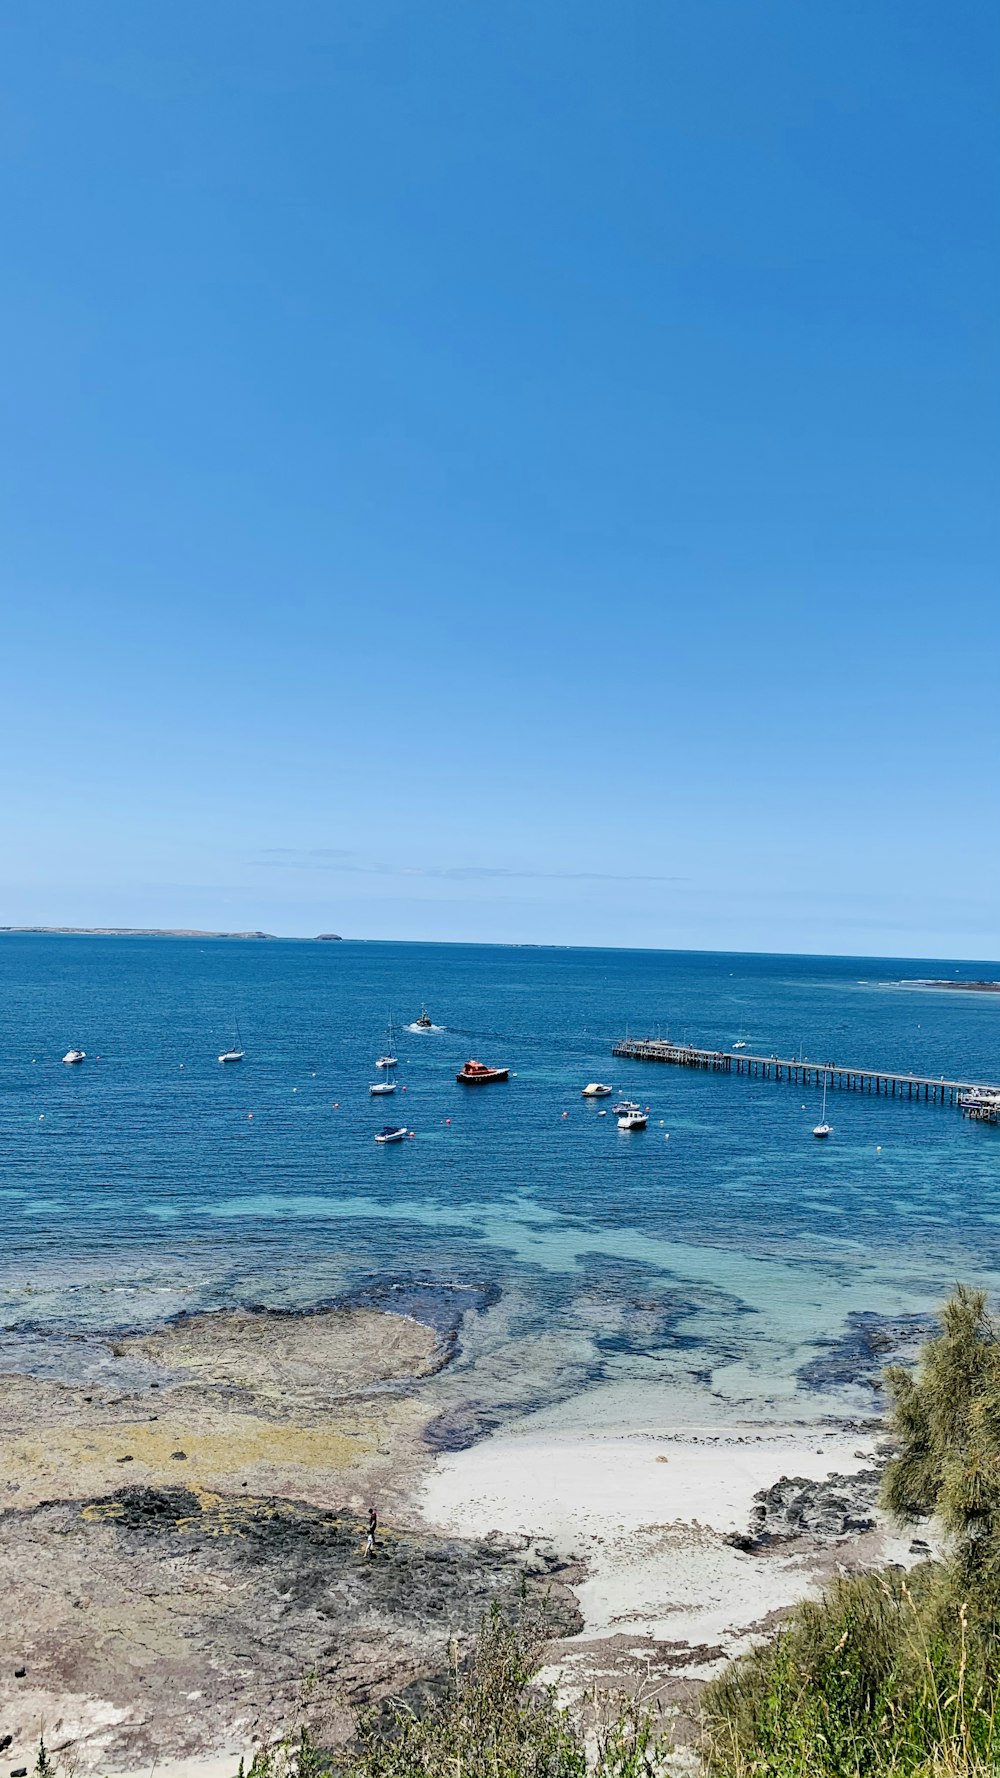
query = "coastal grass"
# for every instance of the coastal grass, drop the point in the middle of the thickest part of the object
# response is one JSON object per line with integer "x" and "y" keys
{"x": 883, "y": 1676}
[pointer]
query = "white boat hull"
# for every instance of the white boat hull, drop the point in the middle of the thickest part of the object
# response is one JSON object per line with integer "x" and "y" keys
{"x": 74, "y": 1056}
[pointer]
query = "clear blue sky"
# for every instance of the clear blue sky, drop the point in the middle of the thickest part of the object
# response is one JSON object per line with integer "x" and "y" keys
{"x": 504, "y": 472}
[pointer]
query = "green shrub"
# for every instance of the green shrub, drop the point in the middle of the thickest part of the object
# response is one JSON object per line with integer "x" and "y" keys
{"x": 947, "y": 1421}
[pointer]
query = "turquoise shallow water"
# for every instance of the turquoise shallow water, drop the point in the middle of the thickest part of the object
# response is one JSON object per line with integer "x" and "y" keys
{"x": 133, "y": 1187}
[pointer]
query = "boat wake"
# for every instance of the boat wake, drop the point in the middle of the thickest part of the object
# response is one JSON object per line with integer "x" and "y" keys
{"x": 424, "y": 1030}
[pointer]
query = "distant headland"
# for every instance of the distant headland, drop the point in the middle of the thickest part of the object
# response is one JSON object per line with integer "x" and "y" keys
{"x": 151, "y": 932}
{"x": 132, "y": 932}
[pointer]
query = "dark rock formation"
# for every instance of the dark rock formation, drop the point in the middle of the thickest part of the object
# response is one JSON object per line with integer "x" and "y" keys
{"x": 827, "y": 1511}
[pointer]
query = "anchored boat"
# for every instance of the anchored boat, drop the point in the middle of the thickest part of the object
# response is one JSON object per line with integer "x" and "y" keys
{"x": 389, "y": 1060}
{"x": 596, "y": 1090}
{"x": 75, "y": 1056}
{"x": 236, "y": 1053}
{"x": 391, "y": 1133}
{"x": 823, "y": 1128}
{"x": 476, "y": 1074}
{"x": 632, "y": 1120}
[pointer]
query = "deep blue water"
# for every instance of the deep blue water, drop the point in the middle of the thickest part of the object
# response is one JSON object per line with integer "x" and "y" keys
{"x": 133, "y": 1186}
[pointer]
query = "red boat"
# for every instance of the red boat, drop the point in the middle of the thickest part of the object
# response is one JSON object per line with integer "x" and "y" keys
{"x": 476, "y": 1074}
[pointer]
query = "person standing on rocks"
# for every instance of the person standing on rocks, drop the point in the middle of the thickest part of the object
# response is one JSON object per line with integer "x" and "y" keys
{"x": 372, "y": 1528}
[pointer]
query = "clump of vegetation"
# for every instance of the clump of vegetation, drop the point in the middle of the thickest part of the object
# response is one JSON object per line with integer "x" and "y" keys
{"x": 889, "y": 1673}
{"x": 490, "y": 1721}
{"x": 947, "y": 1420}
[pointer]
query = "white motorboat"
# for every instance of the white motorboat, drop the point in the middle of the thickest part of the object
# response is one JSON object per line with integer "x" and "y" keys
{"x": 632, "y": 1120}
{"x": 391, "y": 1133}
{"x": 75, "y": 1056}
{"x": 596, "y": 1090}
{"x": 624, "y": 1106}
{"x": 382, "y": 1086}
{"x": 823, "y": 1128}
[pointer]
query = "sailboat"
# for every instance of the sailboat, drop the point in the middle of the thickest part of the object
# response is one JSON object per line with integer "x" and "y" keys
{"x": 236, "y": 1053}
{"x": 823, "y": 1128}
{"x": 388, "y": 1060}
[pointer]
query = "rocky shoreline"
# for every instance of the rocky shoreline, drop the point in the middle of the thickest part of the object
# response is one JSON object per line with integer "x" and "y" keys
{"x": 182, "y": 1540}
{"x": 164, "y": 1622}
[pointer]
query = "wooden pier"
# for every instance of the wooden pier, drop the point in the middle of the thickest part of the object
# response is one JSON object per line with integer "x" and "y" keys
{"x": 977, "y": 1099}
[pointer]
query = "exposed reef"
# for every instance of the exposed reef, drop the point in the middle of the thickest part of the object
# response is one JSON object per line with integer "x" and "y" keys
{"x": 160, "y": 1623}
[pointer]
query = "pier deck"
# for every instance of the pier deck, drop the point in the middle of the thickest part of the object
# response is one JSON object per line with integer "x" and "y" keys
{"x": 979, "y": 1099}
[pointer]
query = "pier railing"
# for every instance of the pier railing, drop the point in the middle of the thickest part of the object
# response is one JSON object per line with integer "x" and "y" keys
{"x": 977, "y": 1099}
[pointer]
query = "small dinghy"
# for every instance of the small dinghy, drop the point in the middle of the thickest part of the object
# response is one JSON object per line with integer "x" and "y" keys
{"x": 391, "y": 1133}
{"x": 75, "y": 1056}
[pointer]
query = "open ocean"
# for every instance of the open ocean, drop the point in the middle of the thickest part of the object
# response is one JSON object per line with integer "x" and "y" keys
{"x": 717, "y": 1261}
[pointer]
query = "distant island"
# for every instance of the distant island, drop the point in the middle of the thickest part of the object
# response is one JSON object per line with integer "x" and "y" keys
{"x": 132, "y": 932}
{"x": 333, "y": 937}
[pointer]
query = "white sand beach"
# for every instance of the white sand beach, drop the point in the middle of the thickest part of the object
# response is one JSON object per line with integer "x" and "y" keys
{"x": 647, "y": 1515}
